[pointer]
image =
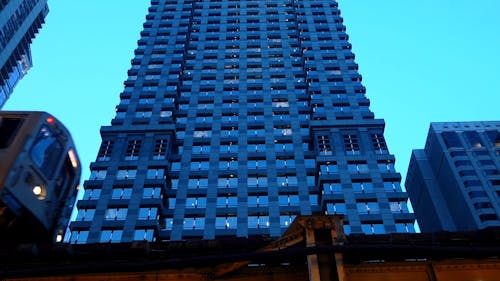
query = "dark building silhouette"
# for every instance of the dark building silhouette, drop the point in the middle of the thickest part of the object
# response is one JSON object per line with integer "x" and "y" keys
{"x": 236, "y": 117}
{"x": 20, "y": 20}
{"x": 454, "y": 183}
{"x": 313, "y": 248}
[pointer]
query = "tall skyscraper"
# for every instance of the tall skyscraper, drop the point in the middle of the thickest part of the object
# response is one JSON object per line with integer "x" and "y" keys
{"x": 454, "y": 183}
{"x": 20, "y": 20}
{"x": 236, "y": 117}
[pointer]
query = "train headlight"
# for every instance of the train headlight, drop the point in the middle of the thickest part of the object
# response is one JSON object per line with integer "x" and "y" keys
{"x": 37, "y": 190}
{"x": 40, "y": 192}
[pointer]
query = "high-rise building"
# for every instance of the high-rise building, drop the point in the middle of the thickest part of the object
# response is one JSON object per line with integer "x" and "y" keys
{"x": 237, "y": 116}
{"x": 20, "y": 20}
{"x": 454, "y": 183}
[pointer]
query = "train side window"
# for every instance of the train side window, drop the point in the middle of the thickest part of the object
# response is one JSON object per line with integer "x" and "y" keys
{"x": 8, "y": 130}
{"x": 46, "y": 152}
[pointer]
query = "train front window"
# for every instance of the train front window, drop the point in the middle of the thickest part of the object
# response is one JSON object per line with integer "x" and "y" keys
{"x": 8, "y": 130}
{"x": 46, "y": 151}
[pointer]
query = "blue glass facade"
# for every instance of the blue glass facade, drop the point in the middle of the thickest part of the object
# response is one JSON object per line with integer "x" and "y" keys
{"x": 20, "y": 20}
{"x": 237, "y": 116}
{"x": 454, "y": 183}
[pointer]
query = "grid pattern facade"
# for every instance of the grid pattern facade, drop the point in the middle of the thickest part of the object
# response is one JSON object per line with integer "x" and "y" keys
{"x": 454, "y": 183}
{"x": 241, "y": 115}
{"x": 20, "y": 20}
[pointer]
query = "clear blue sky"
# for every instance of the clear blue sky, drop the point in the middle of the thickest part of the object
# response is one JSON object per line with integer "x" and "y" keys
{"x": 421, "y": 61}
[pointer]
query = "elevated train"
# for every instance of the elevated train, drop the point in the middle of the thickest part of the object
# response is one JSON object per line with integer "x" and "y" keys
{"x": 39, "y": 177}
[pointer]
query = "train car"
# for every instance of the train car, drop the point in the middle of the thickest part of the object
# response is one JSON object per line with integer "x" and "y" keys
{"x": 39, "y": 177}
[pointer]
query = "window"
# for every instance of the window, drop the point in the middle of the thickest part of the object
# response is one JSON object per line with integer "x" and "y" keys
{"x": 494, "y": 137}
{"x": 8, "y": 126}
{"x": 165, "y": 113}
{"x": 113, "y": 236}
{"x": 133, "y": 148}
{"x": 201, "y": 166}
{"x": 329, "y": 168}
{"x": 482, "y": 205}
{"x": 121, "y": 193}
{"x": 286, "y": 220}
{"x": 97, "y": 174}
{"x": 176, "y": 166}
{"x": 314, "y": 199}
{"x": 116, "y": 214}
{"x": 392, "y": 187}
{"x": 258, "y": 201}
{"x": 225, "y": 223}
{"x": 151, "y": 192}
{"x": 143, "y": 114}
{"x": 198, "y": 183}
{"x": 283, "y": 132}
{"x": 120, "y": 114}
{"x": 171, "y": 203}
{"x": 226, "y": 165}
{"x": 288, "y": 200}
{"x": 85, "y": 215}
{"x": 332, "y": 188}
{"x": 146, "y": 101}
{"x": 405, "y": 228}
{"x": 351, "y": 144}
{"x": 144, "y": 235}
{"x": 336, "y": 208}
{"x": 379, "y": 144}
{"x": 257, "y": 182}
{"x": 194, "y": 223}
{"x": 368, "y": 207}
{"x": 374, "y": 228}
{"x": 196, "y": 202}
{"x": 488, "y": 217}
{"x": 201, "y": 149}
{"x": 398, "y": 207}
{"x": 227, "y": 202}
{"x": 474, "y": 139}
{"x": 202, "y": 134}
{"x": 159, "y": 152}
{"x": 283, "y": 147}
{"x": 386, "y": 167}
{"x": 280, "y": 104}
{"x": 361, "y": 187}
{"x": 461, "y": 163}
{"x": 258, "y": 222}
{"x": 91, "y": 194}
{"x": 358, "y": 167}
{"x": 227, "y": 183}
{"x": 478, "y": 194}
{"x": 451, "y": 140}
{"x": 45, "y": 151}
{"x": 148, "y": 213}
{"x": 105, "y": 150}
{"x": 287, "y": 181}
{"x": 169, "y": 223}
{"x": 155, "y": 173}
{"x": 124, "y": 174}
{"x": 79, "y": 237}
